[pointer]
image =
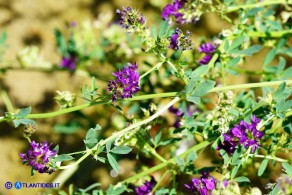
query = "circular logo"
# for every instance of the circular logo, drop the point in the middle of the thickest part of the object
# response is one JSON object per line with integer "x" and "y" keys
{"x": 18, "y": 185}
{"x": 8, "y": 185}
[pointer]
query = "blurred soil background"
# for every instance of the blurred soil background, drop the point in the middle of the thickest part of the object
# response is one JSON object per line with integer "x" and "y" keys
{"x": 31, "y": 22}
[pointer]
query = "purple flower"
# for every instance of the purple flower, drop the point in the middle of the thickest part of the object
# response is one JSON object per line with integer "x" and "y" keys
{"x": 69, "y": 62}
{"x": 243, "y": 134}
{"x": 146, "y": 188}
{"x": 205, "y": 60}
{"x": 126, "y": 83}
{"x": 173, "y": 10}
{"x": 38, "y": 156}
{"x": 179, "y": 41}
{"x": 208, "y": 49}
{"x": 131, "y": 18}
{"x": 205, "y": 185}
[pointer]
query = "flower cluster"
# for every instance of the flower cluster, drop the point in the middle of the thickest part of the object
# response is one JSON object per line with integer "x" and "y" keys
{"x": 69, "y": 62}
{"x": 243, "y": 134}
{"x": 179, "y": 41}
{"x": 208, "y": 49}
{"x": 181, "y": 11}
{"x": 205, "y": 185}
{"x": 146, "y": 188}
{"x": 131, "y": 19}
{"x": 38, "y": 156}
{"x": 126, "y": 83}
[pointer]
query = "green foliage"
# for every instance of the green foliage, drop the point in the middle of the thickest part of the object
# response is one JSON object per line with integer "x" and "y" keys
{"x": 91, "y": 138}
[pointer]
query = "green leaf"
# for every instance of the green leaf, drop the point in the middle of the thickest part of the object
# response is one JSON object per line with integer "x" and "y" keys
{"x": 23, "y": 121}
{"x": 108, "y": 146}
{"x": 163, "y": 28}
{"x": 236, "y": 43}
{"x": 233, "y": 61}
{"x": 281, "y": 65}
{"x": 288, "y": 168}
{"x": 23, "y": 112}
{"x": 121, "y": 150}
{"x": 191, "y": 156}
{"x": 114, "y": 164}
{"x": 234, "y": 171}
{"x": 203, "y": 88}
{"x": 236, "y": 154}
{"x": 241, "y": 179}
{"x": 270, "y": 56}
{"x": 91, "y": 137}
{"x": 116, "y": 190}
{"x": 61, "y": 43}
{"x": 250, "y": 51}
{"x": 158, "y": 137}
{"x": 63, "y": 157}
{"x": 56, "y": 148}
{"x": 154, "y": 32}
{"x": 263, "y": 167}
{"x": 200, "y": 71}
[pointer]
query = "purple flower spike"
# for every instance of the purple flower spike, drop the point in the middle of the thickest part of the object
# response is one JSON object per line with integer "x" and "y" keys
{"x": 204, "y": 186}
{"x": 38, "y": 156}
{"x": 174, "y": 10}
{"x": 243, "y": 134}
{"x": 205, "y": 60}
{"x": 146, "y": 188}
{"x": 131, "y": 18}
{"x": 179, "y": 41}
{"x": 207, "y": 48}
{"x": 126, "y": 83}
{"x": 69, "y": 62}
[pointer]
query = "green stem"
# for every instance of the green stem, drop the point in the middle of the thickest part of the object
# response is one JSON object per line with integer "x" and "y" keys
{"x": 7, "y": 101}
{"x": 255, "y": 5}
{"x": 180, "y": 72}
{"x": 149, "y": 148}
{"x": 156, "y": 67}
{"x": 151, "y": 96}
{"x": 120, "y": 133}
{"x": 160, "y": 181}
{"x": 268, "y": 157}
{"x": 274, "y": 34}
{"x": 164, "y": 164}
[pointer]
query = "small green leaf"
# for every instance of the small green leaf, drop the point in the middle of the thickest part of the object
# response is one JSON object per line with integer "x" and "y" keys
{"x": 241, "y": 179}
{"x": 263, "y": 167}
{"x": 154, "y": 32}
{"x": 233, "y": 61}
{"x": 200, "y": 71}
{"x": 203, "y": 88}
{"x": 63, "y": 157}
{"x": 158, "y": 137}
{"x": 114, "y": 164}
{"x": 23, "y": 112}
{"x": 23, "y": 121}
{"x": 234, "y": 171}
{"x": 108, "y": 146}
{"x": 236, "y": 43}
{"x": 121, "y": 150}
{"x": 270, "y": 56}
{"x": 191, "y": 156}
{"x": 288, "y": 168}
{"x": 163, "y": 28}
{"x": 250, "y": 51}
{"x": 236, "y": 154}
